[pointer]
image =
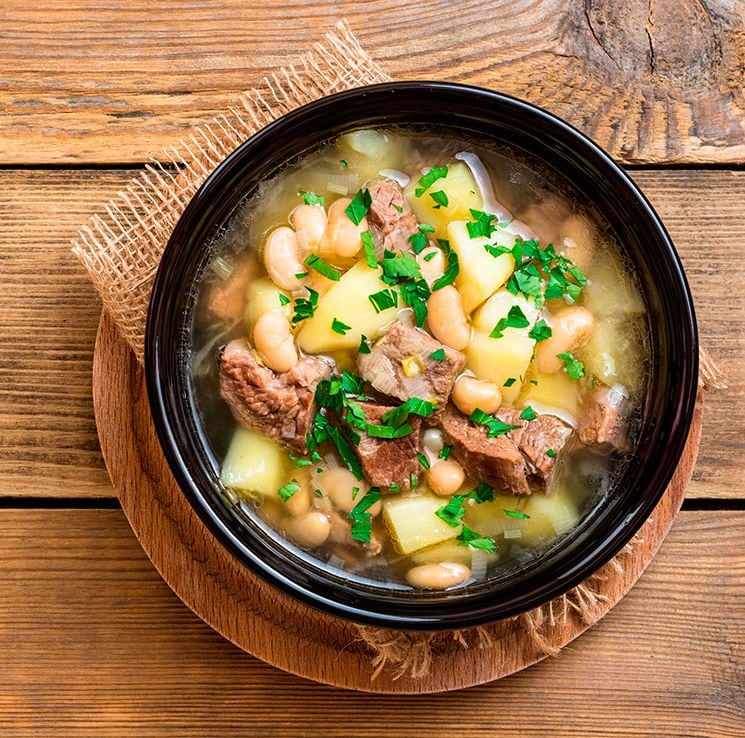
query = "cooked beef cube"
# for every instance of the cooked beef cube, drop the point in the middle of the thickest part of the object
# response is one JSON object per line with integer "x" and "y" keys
{"x": 390, "y": 218}
{"x": 281, "y": 406}
{"x": 603, "y": 420}
{"x": 387, "y": 461}
{"x": 401, "y": 365}
{"x": 514, "y": 463}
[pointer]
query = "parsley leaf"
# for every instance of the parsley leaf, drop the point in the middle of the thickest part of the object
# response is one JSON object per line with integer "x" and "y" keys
{"x": 369, "y": 246}
{"x": 431, "y": 255}
{"x": 445, "y": 453}
{"x": 472, "y": 539}
{"x": 383, "y": 300}
{"x": 515, "y": 319}
{"x": 305, "y": 307}
{"x": 364, "y": 345}
{"x": 439, "y": 197}
{"x": 412, "y": 406}
{"x": 574, "y": 368}
{"x": 528, "y": 414}
{"x": 451, "y": 271}
{"x": 509, "y": 382}
{"x": 401, "y": 267}
{"x": 426, "y": 181}
{"x": 343, "y": 163}
{"x": 387, "y": 431}
{"x": 310, "y": 198}
{"x": 341, "y": 328}
{"x": 318, "y": 264}
{"x": 453, "y": 511}
{"x": 283, "y": 299}
{"x": 357, "y": 209}
{"x": 540, "y": 331}
{"x": 551, "y": 453}
{"x": 418, "y": 242}
{"x": 482, "y": 225}
{"x": 495, "y": 427}
{"x": 361, "y": 517}
{"x": 516, "y": 514}
{"x": 288, "y": 490}
{"x": 423, "y": 460}
{"x": 438, "y": 355}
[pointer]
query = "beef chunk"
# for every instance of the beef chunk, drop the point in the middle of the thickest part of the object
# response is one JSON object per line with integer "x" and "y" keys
{"x": 407, "y": 350}
{"x": 281, "y": 406}
{"x": 603, "y": 419}
{"x": 514, "y": 463}
{"x": 387, "y": 461}
{"x": 390, "y": 218}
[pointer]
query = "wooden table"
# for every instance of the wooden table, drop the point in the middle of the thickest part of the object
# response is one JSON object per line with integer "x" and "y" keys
{"x": 92, "y": 642}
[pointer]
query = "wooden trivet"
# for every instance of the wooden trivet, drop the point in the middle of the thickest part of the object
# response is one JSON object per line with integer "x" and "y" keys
{"x": 270, "y": 625}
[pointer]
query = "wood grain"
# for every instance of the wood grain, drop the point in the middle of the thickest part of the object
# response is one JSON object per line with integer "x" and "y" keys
{"x": 280, "y": 630}
{"x": 95, "y": 81}
{"x": 93, "y": 643}
{"x": 49, "y": 314}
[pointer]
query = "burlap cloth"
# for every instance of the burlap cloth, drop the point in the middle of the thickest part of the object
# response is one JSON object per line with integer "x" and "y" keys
{"x": 121, "y": 247}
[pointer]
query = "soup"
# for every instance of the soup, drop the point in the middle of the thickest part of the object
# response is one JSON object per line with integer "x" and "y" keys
{"x": 418, "y": 358}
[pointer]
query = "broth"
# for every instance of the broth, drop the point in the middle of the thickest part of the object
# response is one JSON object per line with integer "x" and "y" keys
{"x": 418, "y": 357}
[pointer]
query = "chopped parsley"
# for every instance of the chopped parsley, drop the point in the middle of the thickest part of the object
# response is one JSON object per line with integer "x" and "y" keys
{"x": 400, "y": 267}
{"x": 423, "y": 460}
{"x": 364, "y": 345}
{"x": 361, "y": 517}
{"x": 440, "y": 198}
{"x": 318, "y": 264}
{"x": 438, "y": 355}
{"x": 528, "y": 414}
{"x": 415, "y": 293}
{"x": 387, "y": 431}
{"x": 452, "y": 269}
{"x": 299, "y": 461}
{"x": 418, "y": 242}
{"x": 426, "y": 228}
{"x": 343, "y": 163}
{"x": 305, "y": 307}
{"x": 426, "y": 181}
{"x": 574, "y": 368}
{"x": 515, "y": 319}
{"x": 283, "y": 299}
{"x": 445, "y": 453}
{"x": 412, "y": 406}
{"x": 509, "y": 382}
{"x": 431, "y": 255}
{"x": 357, "y": 209}
{"x": 398, "y": 207}
{"x": 551, "y": 453}
{"x": 301, "y": 275}
{"x": 472, "y": 539}
{"x": 341, "y": 328}
{"x": 288, "y": 490}
{"x": 540, "y": 331}
{"x": 482, "y": 224}
{"x": 310, "y": 198}
{"x": 516, "y": 514}
{"x": 495, "y": 427}
{"x": 453, "y": 511}
{"x": 369, "y": 246}
{"x": 384, "y": 300}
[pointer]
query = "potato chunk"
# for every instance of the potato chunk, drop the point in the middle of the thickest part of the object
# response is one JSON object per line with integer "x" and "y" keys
{"x": 412, "y": 522}
{"x": 481, "y": 274}
{"x": 551, "y": 391}
{"x": 254, "y": 464}
{"x": 462, "y": 193}
{"x": 347, "y": 301}
{"x": 262, "y": 295}
{"x": 498, "y": 306}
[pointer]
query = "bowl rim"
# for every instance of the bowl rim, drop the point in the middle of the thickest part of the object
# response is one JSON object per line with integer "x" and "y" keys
{"x": 439, "y": 615}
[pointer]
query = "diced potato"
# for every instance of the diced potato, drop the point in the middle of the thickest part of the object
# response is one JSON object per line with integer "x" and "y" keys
{"x": 610, "y": 291}
{"x": 262, "y": 295}
{"x": 347, "y": 301}
{"x": 499, "y": 359}
{"x": 614, "y": 354}
{"x": 367, "y": 151}
{"x": 498, "y": 306}
{"x": 254, "y": 464}
{"x": 412, "y": 522}
{"x": 549, "y": 517}
{"x": 461, "y": 190}
{"x": 481, "y": 274}
{"x": 551, "y": 391}
{"x": 446, "y": 551}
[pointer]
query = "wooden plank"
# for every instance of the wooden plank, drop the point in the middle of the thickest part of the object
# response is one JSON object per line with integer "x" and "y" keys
{"x": 49, "y": 444}
{"x": 92, "y": 642}
{"x": 113, "y": 82}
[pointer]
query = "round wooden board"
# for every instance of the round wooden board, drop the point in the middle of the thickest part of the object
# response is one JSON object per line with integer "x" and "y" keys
{"x": 270, "y": 625}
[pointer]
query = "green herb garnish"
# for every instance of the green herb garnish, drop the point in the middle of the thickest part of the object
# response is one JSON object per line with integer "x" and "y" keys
{"x": 440, "y": 198}
{"x": 452, "y": 269}
{"x": 453, "y": 511}
{"x": 341, "y": 328}
{"x": 445, "y": 453}
{"x": 357, "y": 209}
{"x": 301, "y": 275}
{"x": 426, "y": 181}
{"x": 310, "y": 198}
{"x": 509, "y": 382}
{"x": 540, "y": 331}
{"x": 551, "y": 453}
{"x": 299, "y": 461}
{"x": 364, "y": 345}
{"x": 438, "y": 355}
{"x": 515, "y": 319}
{"x": 431, "y": 255}
{"x": 384, "y": 300}
{"x": 397, "y": 207}
{"x": 418, "y": 242}
{"x": 495, "y": 427}
{"x": 412, "y": 406}
{"x": 516, "y": 514}
{"x": 472, "y": 539}
{"x": 528, "y": 414}
{"x": 481, "y": 225}
{"x": 574, "y": 368}
{"x": 423, "y": 460}
{"x": 288, "y": 490}
{"x": 426, "y": 228}
{"x": 401, "y": 267}
{"x": 387, "y": 431}
{"x": 361, "y": 517}
{"x": 318, "y": 264}
{"x": 305, "y": 307}
{"x": 369, "y": 246}
{"x": 343, "y": 163}
{"x": 283, "y": 299}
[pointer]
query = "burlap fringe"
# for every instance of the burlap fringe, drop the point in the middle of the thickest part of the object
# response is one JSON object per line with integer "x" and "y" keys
{"x": 121, "y": 246}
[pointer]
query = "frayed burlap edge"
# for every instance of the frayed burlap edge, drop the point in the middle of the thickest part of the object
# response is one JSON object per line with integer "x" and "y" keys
{"x": 121, "y": 246}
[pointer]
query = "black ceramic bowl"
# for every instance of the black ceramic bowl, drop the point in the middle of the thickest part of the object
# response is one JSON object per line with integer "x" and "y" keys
{"x": 668, "y": 401}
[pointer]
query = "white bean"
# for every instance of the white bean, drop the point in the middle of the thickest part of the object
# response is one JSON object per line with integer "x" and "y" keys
{"x": 339, "y": 486}
{"x": 446, "y": 477}
{"x": 342, "y": 237}
{"x": 273, "y": 340}
{"x": 578, "y": 238}
{"x": 446, "y": 318}
{"x": 569, "y": 328}
{"x": 437, "y": 576}
{"x": 433, "y": 268}
{"x": 433, "y": 441}
{"x": 309, "y": 222}
{"x": 283, "y": 258}
{"x": 470, "y": 393}
{"x": 310, "y": 529}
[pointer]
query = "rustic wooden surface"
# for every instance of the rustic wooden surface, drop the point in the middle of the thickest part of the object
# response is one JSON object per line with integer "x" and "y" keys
{"x": 92, "y": 640}
{"x": 274, "y": 627}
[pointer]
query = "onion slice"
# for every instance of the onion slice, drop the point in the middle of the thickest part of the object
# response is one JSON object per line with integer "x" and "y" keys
{"x": 483, "y": 182}
{"x": 397, "y": 176}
